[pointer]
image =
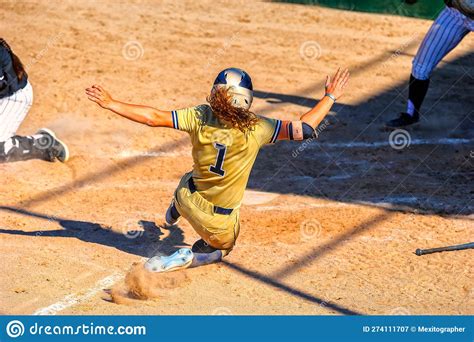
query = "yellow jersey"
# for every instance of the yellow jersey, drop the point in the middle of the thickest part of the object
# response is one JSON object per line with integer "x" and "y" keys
{"x": 223, "y": 157}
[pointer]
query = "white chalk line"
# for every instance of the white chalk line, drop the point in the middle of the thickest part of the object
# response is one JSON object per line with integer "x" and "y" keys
{"x": 133, "y": 184}
{"x": 400, "y": 205}
{"x": 376, "y": 144}
{"x": 74, "y": 299}
{"x": 300, "y": 206}
{"x": 135, "y": 153}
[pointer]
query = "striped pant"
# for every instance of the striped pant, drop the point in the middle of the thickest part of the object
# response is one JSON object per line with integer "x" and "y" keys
{"x": 13, "y": 110}
{"x": 445, "y": 34}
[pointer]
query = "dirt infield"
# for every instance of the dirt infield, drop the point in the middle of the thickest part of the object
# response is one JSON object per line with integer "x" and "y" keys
{"x": 329, "y": 227}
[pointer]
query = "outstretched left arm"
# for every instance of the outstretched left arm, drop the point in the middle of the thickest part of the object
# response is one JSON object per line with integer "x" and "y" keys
{"x": 299, "y": 130}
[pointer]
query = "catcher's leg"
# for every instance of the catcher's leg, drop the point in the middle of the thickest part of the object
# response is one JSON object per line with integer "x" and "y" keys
{"x": 18, "y": 148}
{"x": 13, "y": 110}
{"x": 43, "y": 145}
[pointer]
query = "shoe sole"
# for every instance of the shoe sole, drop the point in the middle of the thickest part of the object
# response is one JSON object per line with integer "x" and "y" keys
{"x": 62, "y": 143}
{"x": 179, "y": 260}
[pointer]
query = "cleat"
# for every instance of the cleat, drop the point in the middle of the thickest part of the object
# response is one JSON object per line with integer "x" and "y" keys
{"x": 180, "y": 259}
{"x": 57, "y": 149}
{"x": 403, "y": 120}
{"x": 169, "y": 219}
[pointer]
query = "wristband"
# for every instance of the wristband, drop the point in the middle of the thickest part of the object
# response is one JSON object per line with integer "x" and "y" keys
{"x": 331, "y": 96}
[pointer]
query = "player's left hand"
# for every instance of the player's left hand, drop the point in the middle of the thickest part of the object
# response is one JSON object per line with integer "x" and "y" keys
{"x": 339, "y": 82}
{"x": 99, "y": 95}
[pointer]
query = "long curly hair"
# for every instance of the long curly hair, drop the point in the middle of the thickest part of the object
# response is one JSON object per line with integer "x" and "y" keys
{"x": 17, "y": 64}
{"x": 220, "y": 101}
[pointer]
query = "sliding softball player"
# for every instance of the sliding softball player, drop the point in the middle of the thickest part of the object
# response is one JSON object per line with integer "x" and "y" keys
{"x": 447, "y": 31}
{"x": 16, "y": 98}
{"x": 226, "y": 138}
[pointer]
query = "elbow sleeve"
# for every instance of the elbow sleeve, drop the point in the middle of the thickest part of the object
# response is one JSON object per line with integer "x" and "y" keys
{"x": 299, "y": 130}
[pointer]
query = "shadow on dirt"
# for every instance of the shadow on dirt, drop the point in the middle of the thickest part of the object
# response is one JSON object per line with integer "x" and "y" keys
{"x": 291, "y": 290}
{"x": 149, "y": 242}
{"x": 146, "y": 242}
{"x": 424, "y": 169}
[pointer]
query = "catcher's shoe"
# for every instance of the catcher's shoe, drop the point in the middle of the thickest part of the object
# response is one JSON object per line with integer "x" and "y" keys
{"x": 403, "y": 120}
{"x": 170, "y": 215}
{"x": 55, "y": 148}
{"x": 180, "y": 259}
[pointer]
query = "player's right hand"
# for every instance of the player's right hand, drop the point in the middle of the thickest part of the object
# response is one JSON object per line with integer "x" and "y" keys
{"x": 99, "y": 95}
{"x": 338, "y": 83}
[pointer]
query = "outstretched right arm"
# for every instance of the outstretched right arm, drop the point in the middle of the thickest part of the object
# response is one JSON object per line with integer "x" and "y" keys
{"x": 142, "y": 114}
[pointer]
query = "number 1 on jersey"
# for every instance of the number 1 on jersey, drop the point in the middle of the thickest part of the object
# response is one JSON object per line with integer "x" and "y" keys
{"x": 217, "y": 167}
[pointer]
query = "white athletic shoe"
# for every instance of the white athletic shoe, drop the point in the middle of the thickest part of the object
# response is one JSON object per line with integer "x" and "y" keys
{"x": 58, "y": 149}
{"x": 180, "y": 259}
